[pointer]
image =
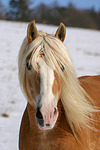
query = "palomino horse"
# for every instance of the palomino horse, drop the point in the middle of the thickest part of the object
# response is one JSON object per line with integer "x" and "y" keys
{"x": 62, "y": 112}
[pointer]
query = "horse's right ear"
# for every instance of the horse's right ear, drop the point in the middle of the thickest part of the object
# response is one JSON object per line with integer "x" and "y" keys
{"x": 32, "y": 31}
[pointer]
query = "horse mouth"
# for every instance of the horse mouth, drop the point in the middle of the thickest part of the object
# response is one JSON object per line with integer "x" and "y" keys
{"x": 45, "y": 127}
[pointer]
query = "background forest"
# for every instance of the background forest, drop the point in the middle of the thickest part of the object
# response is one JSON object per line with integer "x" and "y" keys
{"x": 25, "y": 11}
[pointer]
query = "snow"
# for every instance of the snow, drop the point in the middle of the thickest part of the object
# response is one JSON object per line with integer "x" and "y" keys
{"x": 84, "y": 47}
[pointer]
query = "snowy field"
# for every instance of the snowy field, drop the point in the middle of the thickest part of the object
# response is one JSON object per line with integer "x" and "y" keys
{"x": 84, "y": 47}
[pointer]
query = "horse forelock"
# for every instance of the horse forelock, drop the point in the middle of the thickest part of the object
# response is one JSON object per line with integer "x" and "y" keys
{"x": 53, "y": 52}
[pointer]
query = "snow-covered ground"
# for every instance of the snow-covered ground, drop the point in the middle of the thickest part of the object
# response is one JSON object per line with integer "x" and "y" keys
{"x": 84, "y": 47}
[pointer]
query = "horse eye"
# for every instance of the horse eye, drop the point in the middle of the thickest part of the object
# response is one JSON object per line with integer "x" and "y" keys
{"x": 62, "y": 68}
{"x": 28, "y": 65}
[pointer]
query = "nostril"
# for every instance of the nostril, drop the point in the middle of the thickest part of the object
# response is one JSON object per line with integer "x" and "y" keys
{"x": 39, "y": 117}
{"x": 55, "y": 111}
{"x": 38, "y": 114}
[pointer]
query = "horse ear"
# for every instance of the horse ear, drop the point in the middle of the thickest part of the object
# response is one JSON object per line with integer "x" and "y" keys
{"x": 32, "y": 31}
{"x": 61, "y": 32}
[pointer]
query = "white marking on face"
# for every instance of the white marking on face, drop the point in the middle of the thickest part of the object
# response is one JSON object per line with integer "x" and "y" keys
{"x": 46, "y": 83}
{"x": 47, "y": 100}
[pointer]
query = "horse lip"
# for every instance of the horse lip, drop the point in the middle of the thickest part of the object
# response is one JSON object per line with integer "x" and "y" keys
{"x": 44, "y": 128}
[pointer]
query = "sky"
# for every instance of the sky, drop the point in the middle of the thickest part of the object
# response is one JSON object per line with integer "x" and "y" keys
{"x": 81, "y": 4}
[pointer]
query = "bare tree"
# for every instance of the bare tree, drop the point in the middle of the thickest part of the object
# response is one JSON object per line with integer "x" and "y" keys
{"x": 20, "y": 10}
{"x": 2, "y": 11}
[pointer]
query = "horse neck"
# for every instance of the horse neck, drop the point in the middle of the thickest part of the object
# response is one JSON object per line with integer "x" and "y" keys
{"x": 61, "y": 124}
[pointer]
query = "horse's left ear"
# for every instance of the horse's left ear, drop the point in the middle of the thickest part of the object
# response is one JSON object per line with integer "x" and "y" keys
{"x": 32, "y": 31}
{"x": 61, "y": 32}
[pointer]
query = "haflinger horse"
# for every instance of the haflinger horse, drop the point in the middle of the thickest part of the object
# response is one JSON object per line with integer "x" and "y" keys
{"x": 62, "y": 111}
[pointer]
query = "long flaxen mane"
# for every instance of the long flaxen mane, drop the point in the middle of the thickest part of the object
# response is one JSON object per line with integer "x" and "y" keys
{"x": 77, "y": 109}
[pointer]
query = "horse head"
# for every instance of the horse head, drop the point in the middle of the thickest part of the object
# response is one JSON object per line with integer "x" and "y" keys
{"x": 42, "y": 83}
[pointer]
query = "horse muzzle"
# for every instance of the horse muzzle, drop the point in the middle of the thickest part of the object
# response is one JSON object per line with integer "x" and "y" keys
{"x": 46, "y": 117}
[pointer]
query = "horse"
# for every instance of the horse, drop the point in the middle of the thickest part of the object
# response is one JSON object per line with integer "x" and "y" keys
{"x": 62, "y": 111}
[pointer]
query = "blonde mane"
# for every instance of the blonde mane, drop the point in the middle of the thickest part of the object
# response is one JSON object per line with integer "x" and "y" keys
{"x": 77, "y": 109}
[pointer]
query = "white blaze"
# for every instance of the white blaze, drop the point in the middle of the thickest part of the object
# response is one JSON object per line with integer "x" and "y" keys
{"x": 46, "y": 80}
